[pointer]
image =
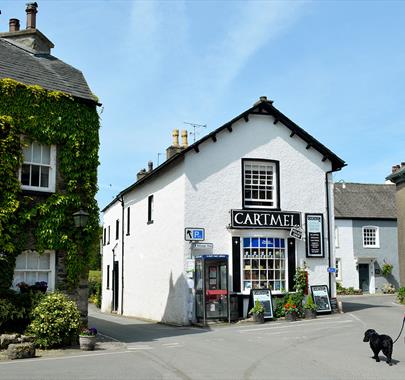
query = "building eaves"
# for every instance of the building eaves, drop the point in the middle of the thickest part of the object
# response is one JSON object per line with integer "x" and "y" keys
{"x": 263, "y": 108}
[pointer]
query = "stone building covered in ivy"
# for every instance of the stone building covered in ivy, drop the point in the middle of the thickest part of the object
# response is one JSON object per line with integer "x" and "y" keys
{"x": 48, "y": 169}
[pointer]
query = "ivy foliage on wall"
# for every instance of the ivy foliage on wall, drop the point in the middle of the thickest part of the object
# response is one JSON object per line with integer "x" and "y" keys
{"x": 51, "y": 118}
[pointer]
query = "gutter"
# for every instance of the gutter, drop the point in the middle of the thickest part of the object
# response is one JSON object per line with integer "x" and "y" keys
{"x": 121, "y": 200}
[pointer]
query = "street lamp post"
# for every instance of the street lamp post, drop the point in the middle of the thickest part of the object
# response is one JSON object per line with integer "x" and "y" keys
{"x": 81, "y": 218}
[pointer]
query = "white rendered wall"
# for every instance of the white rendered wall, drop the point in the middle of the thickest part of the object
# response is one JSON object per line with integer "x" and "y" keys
{"x": 108, "y": 255}
{"x": 155, "y": 286}
{"x": 345, "y": 252}
{"x": 213, "y": 185}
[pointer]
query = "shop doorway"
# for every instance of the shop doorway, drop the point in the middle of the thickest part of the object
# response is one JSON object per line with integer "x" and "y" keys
{"x": 364, "y": 277}
{"x": 115, "y": 286}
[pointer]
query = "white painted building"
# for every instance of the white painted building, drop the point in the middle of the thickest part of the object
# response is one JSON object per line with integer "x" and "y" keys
{"x": 246, "y": 183}
{"x": 366, "y": 236}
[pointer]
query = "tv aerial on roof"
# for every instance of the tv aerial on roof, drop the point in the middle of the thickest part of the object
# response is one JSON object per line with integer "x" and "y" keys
{"x": 195, "y": 127}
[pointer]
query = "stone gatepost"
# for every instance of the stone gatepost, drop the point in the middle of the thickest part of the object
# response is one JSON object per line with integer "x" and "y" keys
{"x": 398, "y": 177}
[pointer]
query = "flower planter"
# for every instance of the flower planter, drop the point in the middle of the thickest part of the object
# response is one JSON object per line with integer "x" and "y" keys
{"x": 258, "y": 318}
{"x": 291, "y": 317}
{"x": 87, "y": 342}
{"x": 309, "y": 313}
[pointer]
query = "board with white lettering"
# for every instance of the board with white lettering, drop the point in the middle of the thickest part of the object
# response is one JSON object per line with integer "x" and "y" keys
{"x": 265, "y": 219}
{"x": 314, "y": 235}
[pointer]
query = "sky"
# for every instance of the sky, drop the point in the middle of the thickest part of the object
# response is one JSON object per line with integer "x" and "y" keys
{"x": 336, "y": 68}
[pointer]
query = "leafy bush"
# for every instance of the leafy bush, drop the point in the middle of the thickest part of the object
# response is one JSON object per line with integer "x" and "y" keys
{"x": 95, "y": 287}
{"x": 301, "y": 280}
{"x": 340, "y": 290}
{"x": 388, "y": 289}
{"x": 55, "y": 321}
{"x": 401, "y": 295}
{"x": 309, "y": 303}
{"x": 387, "y": 269}
{"x": 15, "y": 309}
{"x": 279, "y": 309}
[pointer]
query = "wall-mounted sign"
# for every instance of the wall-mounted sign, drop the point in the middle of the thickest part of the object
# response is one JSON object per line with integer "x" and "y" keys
{"x": 264, "y": 297}
{"x": 264, "y": 219}
{"x": 202, "y": 246}
{"x": 320, "y": 295}
{"x": 194, "y": 234}
{"x": 331, "y": 270}
{"x": 314, "y": 235}
{"x": 297, "y": 232}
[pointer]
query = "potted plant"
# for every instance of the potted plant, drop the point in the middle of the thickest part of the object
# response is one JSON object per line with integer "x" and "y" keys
{"x": 309, "y": 308}
{"x": 87, "y": 338}
{"x": 258, "y": 312}
{"x": 23, "y": 286}
{"x": 290, "y": 310}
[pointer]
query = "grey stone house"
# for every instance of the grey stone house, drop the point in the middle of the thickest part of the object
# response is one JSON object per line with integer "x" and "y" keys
{"x": 25, "y": 57}
{"x": 365, "y": 235}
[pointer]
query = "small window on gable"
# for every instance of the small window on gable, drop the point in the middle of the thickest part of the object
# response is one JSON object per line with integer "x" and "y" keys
{"x": 128, "y": 220}
{"x": 260, "y": 184}
{"x": 150, "y": 209}
{"x": 38, "y": 171}
{"x": 371, "y": 238}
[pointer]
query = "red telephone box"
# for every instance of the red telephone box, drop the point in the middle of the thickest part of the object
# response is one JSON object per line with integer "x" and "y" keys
{"x": 212, "y": 287}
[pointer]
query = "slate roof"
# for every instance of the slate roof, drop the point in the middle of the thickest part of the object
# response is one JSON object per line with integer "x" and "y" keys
{"x": 364, "y": 201}
{"x": 42, "y": 69}
{"x": 263, "y": 107}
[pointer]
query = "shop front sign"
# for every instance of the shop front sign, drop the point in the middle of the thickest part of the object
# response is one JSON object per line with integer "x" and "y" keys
{"x": 314, "y": 235}
{"x": 265, "y": 219}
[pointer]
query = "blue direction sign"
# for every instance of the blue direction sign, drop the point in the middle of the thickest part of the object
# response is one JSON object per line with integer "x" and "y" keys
{"x": 331, "y": 270}
{"x": 194, "y": 234}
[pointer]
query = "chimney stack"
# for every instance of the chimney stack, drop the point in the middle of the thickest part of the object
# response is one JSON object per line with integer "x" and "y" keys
{"x": 14, "y": 25}
{"x": 150, "y": 166}
{"x": 140, "y": 174}
{"x": 175, "y": 147}
{"x": 31, "y": 11}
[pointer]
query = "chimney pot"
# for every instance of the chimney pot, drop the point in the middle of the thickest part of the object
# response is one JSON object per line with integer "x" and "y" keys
{"x": 175, "y": 136}
{"x": 402, "y": 165}
{"x": 31, "y": 11}
{"x": 150, "y": 166}
{"x": 393, "y": 169}
{"x": 184, "y": 142}
{"x": 14, "y": 25}
{"x": 263, "y": 98}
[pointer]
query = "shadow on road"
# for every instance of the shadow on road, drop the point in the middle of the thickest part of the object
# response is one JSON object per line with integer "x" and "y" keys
{"x": 349, "y": 306}
{"x": 137, "y": 332}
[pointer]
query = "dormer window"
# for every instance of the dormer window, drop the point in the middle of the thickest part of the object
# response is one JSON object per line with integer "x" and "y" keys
{"x": 38, "y": 170}
{"x": 260, "y": 184}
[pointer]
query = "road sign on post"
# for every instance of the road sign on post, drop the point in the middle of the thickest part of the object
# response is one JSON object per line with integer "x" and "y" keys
{"x": 194, "y": 234}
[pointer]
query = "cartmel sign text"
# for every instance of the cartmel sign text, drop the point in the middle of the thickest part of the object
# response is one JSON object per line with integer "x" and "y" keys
{"x": 265, "y": 219}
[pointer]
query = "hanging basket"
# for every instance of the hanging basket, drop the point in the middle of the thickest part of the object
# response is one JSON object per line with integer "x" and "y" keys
{"x": 87, "y": 342}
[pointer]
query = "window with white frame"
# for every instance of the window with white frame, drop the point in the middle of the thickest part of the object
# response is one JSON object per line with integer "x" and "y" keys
{"x": 371, "y": 238}
{"x": 264, "y": 264}
{"x": 336, "y": 237}
{"x": 338, "y": 265}
{"x": 260, "y": 183}
{"x": 32, "y": 267}
{"x": 38, "y": 171}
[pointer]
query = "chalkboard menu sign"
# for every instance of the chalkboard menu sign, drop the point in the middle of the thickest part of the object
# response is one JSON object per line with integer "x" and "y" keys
{"x": 320, "y": 295}
{"x": 314, "y": 235}
{"x": 264, "y": 297}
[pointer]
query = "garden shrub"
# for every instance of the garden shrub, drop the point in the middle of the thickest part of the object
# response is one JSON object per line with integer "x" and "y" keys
{"x": 95, "y": 287}
{"x": 55, "y": 321}
{"x": 401, "y": 295}
{"x": 15, "y": 309}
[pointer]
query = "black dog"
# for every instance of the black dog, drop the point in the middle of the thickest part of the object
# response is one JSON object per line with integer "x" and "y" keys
{"x": 379, "y": 343}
